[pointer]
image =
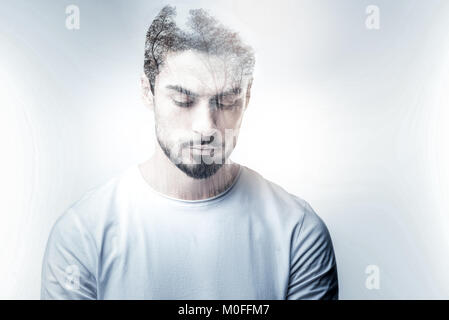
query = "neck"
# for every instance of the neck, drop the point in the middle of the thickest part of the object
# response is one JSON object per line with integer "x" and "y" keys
{"x": 163, "y": 176}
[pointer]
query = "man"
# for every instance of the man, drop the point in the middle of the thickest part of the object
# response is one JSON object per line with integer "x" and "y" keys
{"x": 189, "y": 223}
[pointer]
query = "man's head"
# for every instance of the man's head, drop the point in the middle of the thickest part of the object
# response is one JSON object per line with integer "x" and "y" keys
{"x": 197, "y": 81}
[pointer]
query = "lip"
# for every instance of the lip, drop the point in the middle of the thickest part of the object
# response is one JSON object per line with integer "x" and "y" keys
{"x": 203, "y": 148}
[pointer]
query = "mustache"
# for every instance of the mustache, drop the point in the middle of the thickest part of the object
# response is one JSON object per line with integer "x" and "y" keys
{"x": 209, "y": 141}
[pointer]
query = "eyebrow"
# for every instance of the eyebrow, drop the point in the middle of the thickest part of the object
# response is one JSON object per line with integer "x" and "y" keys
{"x": 182, "y": 90}
{"x": 233, "y": 91}
{"x": 230, "y": 92}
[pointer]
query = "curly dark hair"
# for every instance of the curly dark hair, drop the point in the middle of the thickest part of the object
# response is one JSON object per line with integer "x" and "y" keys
{"x": 206, "y": 34}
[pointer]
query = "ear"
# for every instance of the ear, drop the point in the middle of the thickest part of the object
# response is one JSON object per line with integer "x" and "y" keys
{"x": 248, "y": 92}
{"x": 147, "y": 95}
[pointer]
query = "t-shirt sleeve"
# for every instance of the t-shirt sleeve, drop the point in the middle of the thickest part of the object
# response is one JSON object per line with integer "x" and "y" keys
{"x": 313, "y": 267}
{"x": 68, "y": 269}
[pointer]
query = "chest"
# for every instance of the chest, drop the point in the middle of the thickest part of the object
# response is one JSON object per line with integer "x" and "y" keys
{"x": 192, "y": 257}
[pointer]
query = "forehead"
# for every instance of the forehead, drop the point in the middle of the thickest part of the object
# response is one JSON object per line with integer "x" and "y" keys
{"x": 201, "y": 73}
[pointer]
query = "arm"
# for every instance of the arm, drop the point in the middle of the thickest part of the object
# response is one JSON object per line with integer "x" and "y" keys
{"x": 313, "y": 267}
{"x": 68, "y": 269}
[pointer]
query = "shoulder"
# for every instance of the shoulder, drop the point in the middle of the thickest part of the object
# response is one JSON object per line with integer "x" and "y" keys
{"x": 95, "y": 209}
{"x": 308, "y": 232}
{"x": 284, "y": 203}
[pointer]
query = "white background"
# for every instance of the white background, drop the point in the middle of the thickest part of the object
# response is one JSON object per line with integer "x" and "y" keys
{"x": 355, "y": 121}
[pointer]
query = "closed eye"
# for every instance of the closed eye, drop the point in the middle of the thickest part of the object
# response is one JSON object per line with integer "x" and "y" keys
{"x": 183, "y": 104}
{"x": 225, "y": 102}
{"x": 183, "y": 100}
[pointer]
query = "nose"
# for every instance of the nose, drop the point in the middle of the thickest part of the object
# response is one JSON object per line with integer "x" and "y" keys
{"x": 203, "y": 120}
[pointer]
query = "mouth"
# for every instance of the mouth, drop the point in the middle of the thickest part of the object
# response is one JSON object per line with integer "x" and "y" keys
{"x": 204, "y": 148}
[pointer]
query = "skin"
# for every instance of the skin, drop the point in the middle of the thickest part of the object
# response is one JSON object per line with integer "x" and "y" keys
{"x": 196, "y": 97}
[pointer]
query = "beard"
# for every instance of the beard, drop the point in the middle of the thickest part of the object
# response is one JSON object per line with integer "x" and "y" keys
{"x": 199, "y": 170}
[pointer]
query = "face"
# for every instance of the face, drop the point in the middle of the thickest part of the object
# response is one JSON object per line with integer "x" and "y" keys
{"x": 198, "y": 103}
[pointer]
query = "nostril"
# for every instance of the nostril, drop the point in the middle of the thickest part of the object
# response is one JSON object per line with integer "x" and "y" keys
{"x": 205, "y": 141}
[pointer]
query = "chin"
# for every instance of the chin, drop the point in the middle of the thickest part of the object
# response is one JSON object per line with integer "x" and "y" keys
{"x": 199, "y": 171}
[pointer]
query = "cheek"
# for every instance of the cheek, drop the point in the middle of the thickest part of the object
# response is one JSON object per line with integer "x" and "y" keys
{"x": 230, "y": 119}
{"x": 171, "y": 131}
{"x": 171, "y": 117}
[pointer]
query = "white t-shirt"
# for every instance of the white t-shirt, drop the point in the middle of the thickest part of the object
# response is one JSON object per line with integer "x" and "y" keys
{"x": 124, "y": 240}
